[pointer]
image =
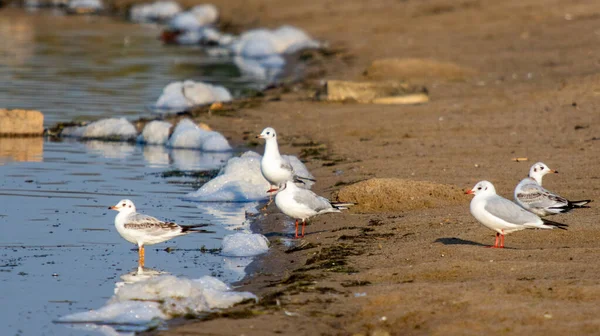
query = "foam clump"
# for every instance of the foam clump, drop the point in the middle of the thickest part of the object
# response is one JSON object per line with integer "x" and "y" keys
{"x": 158, "y": 11}
{"x": 193, "y": 26}
{"x": 107, "y": 129}
{"x": 258, "y": 52}
{"x": 241, "y": 181}
{"x": 258, "y": 43}
{"x": 161, "y": 297}
{"x": 197, "y": 17}
{"x": 188, "y": 135}
{"x": 155, "y": 133}
{"x": 244, "y": 245}
{"x": 179, "y": 96}
{"x": 85, "y": 5}
{"x": 130, "y": 312}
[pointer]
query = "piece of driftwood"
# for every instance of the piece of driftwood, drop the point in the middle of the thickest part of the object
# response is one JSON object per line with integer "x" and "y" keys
{"x": 388, "y": 92}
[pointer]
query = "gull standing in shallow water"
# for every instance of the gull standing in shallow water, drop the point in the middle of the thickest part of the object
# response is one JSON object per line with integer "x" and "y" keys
{"x": 273, "y": 166}
{"x": 146, "y": 230}
{"x": 303, "y": 204}
{"x": 503, "y": 216}
{"x": 530, "y": 194}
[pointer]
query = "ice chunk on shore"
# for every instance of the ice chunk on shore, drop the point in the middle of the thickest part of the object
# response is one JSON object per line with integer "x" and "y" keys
{"x": 155, "y": 133}
{"x": 152, "y": 12}
{"x": 188, "y": 135}
{"x": 106, "y": 129}
{"x": 178, "y": 96}
{"x": 244, "y": 245}
{"x": 241, "y": 181}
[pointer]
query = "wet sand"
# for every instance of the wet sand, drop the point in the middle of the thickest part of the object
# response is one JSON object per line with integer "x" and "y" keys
{"x": 529, "y": 88}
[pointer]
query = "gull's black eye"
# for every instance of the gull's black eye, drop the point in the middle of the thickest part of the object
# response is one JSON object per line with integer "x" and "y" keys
{"x": 123, "y": 204}
{"x": 541, "y": 168}
{"x": 268, "y": 133}
{"x": 479, "y": 188}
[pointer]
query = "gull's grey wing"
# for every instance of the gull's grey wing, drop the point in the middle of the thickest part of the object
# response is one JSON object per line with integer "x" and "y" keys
{"x": 150, "y": 225}
{"x": 285, "y": 164}
{"x": 534, "y": 195}
{"x": 509, "y": 211}
{"x": 312, "y": 200}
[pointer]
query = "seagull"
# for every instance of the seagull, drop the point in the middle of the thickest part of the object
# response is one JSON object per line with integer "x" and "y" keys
{"x": 273, "y": 166}
{"x": 530, "y": 194}
{"x": 303, "y": 204}
{"x": 503, "y": 216}
{"x": 144, "y": 230}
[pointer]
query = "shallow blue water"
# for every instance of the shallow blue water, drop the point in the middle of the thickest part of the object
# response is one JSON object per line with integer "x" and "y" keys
{"x": 96, "y": 67}
{"x": 59, "y": 250}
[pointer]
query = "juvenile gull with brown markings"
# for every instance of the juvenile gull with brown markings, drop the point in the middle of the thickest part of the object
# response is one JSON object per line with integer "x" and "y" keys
{"x": 145, "y": 230}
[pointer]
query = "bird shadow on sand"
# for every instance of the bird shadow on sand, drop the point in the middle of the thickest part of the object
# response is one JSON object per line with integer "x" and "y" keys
{"x": 458, "y": 241}
{"x": 289, "y": 234}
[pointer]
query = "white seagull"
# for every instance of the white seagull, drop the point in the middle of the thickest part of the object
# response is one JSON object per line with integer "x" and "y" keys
{"x": 503, "y": 216}
{"x": 273, "y": 166}
{"x": 530, "y": 194}
{"x": 303, "y": 204}
{"x": 145, "y": 230}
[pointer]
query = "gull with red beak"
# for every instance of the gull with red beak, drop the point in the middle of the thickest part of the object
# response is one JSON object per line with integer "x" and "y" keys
{"x": 273, "y": 166}
{"x": 145, "y": 230}
{"x": 503, "y": 216}
{"x": 530, "y": 194}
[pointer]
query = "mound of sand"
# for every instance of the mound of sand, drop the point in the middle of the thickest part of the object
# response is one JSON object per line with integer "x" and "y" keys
{"x": 391, "y": 194}
{"x": 416, "y": 70}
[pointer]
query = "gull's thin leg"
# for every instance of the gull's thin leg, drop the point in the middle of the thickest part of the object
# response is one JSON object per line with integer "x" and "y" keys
{"x": 296, "y": 236}
{"x": 303, "y": 224}
{"x": 141, "y": 256}
{"x": 502, "y": 239}
{"x": 495, "y": 241}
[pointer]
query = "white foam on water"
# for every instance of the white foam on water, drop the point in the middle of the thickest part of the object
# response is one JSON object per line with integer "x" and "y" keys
{"x": 109, "y": 129}
{"x": 183, "y": 95}
{"x": 155, "y": 133}
{"x": 190, "y": 159}
{"x": 244, "y": 245}
{"x": 241, "y": 181}
{"x": 161, "y": 298}
{"x": 188, "y": 135}
{"x": 156, "y": 11}
{"x": 86, "y": 4}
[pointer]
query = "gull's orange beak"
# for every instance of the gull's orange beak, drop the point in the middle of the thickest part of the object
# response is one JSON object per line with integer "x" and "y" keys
{"x": 260, "y": 136}
{"x": 113, "y": 208}
{"x": 469, "y": 192}
{"x": 554, "y": 171}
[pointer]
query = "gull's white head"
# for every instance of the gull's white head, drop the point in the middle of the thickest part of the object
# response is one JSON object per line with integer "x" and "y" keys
{"x": 482, "y": 188}
{"x": 538, "y": 171}
{"x": 267, "y": 133}
{"x": 125, "y": 206}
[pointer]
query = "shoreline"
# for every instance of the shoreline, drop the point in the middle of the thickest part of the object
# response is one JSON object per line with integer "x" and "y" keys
{"x": 423, "y": 270}
{"x": 527, "y": 87}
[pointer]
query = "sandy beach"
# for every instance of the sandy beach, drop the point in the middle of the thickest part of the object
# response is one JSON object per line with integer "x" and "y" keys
{"x": 507, "y": 79}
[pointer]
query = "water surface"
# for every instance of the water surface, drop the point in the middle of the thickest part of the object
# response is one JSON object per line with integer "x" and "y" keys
{"x": 96, "y": 67}
{"x": 59, "y": 250}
